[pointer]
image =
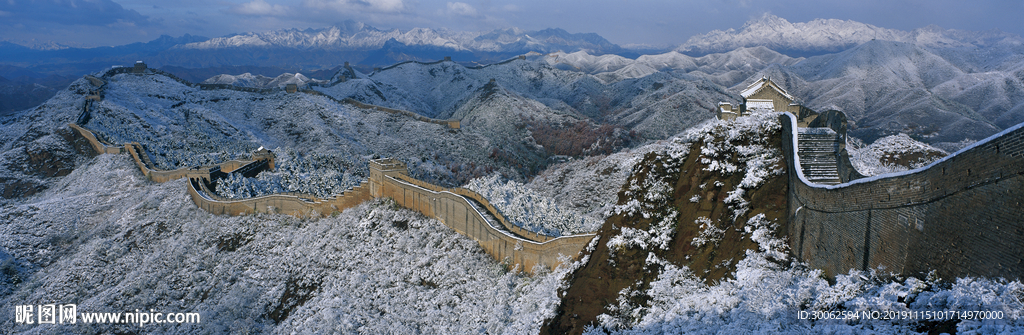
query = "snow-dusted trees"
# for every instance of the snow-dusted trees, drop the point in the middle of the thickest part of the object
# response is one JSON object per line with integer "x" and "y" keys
{"x": 322, "y": 175}
{"x": 532, "y": 211}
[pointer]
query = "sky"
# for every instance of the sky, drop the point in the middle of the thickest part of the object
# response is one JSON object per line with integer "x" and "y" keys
{"x": 90, "y": 23}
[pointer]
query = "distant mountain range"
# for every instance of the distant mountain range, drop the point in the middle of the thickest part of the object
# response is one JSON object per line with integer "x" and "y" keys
{"x": 829, "y": 36}
{"x": 940, "y": 85}
{"x": 370, "y": 47}
{"x": 357, "y": 36}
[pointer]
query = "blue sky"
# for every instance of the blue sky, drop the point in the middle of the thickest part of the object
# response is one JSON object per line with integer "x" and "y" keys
{"x": 661, "y": 22}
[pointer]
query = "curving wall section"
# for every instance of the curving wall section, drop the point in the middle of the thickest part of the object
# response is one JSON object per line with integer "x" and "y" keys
{"x": 99, "y": 146}
{"x": 456, "y": 211}
{"x": 959, "y": 216}
{"x": 294, "y": 204}
{"x": 463, "y": 210}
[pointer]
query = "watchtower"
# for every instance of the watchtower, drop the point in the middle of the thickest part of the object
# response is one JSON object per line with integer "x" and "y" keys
{"x": 264, "y": 154}
{"x": 381, "y": 168}
{"x": 139, "y": 67}
{"x": 762, "y": 95}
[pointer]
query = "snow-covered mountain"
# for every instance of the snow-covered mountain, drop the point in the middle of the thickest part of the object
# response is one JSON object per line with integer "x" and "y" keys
{"x": 832, "y": 35}
{"x": 940, "y": 95}
{"x": 724, "y": 68}
{"x": 358, "y": 36}
{"x": 893, "y": 87}
{"x": 261, "y": 81}
{"x": 655, "y": 106}
{"x": 124, "y": 242}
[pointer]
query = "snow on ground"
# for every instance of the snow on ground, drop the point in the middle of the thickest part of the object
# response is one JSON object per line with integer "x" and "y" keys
{"x": 771, "y": 294}
{"x": 108, "y": 240}
{"x": 895, "y": 153}
{"x": 182, "y": 126}
{"x": 746, "y": 139}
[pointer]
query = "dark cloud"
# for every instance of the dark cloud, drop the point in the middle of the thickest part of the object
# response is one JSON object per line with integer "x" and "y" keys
{"x": 70, "y": 12}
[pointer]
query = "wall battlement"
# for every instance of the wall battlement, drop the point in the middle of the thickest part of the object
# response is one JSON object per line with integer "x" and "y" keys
{"x": 960, "y": 216}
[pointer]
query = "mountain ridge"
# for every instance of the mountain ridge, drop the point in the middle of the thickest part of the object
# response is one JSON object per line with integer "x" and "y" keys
{"x": 822, "y": 36}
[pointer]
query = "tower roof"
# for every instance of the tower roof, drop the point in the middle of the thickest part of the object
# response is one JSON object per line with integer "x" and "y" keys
{"x": 761, "y": 84}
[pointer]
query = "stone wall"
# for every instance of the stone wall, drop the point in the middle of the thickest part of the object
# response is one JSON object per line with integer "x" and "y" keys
{"x": 456, "y": 212}
{"x": 207, "y": 171}
{"x": 100, "y": 146}
{"x": 454, "y": 124}
{"x": 294, "y": 204}
{"x": 960, "y": 216}
{"x": 453, "y": 207}
{"x": 480, "y": 199}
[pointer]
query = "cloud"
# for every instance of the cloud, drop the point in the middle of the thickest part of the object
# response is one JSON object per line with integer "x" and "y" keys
{"x": 510, "y": 8}
{"x": 71, "y": 12}
{"x": 345, "y": 6}
{"x": 260, "y": 8}
{"x": 461, "y": 8}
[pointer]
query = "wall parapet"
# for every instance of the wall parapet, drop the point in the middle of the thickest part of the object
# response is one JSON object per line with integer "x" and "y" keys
{"x": 100, "y": 146}
{"x": 470, "y": 194}
{"x": 295, "y": 204}
{"x": 456, "y": 211}
{"x": 959, "y": 216}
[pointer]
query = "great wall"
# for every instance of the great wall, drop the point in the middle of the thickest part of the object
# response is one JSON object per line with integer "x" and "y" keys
{"x": 461, "y": 209}
{"x": 959, "y": 216}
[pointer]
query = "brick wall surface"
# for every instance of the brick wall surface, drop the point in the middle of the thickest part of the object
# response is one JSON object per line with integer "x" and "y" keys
{"x": 958, "y": 217}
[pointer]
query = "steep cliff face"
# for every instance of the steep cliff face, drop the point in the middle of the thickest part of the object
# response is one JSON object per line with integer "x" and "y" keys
{"x": 700, "y": 205}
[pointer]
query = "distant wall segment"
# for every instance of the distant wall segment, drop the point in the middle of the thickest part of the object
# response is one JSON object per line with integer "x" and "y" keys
{"x": 960, "y": 216}
{"x": 453, "y": 124}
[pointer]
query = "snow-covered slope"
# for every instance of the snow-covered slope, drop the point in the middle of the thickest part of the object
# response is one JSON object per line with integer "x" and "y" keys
{"x": 891, "y": 154}
{"x": 35, "y": 144}
{"x": 441, "y": 89}
{"x": 891, "y": 87}
{"x": 584, "y": 62}
{"x": 243, "y": 80}
{"x": 106, "y": 239}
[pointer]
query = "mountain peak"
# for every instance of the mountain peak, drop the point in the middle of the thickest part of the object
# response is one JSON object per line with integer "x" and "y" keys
{"x": 769, "y": 21}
